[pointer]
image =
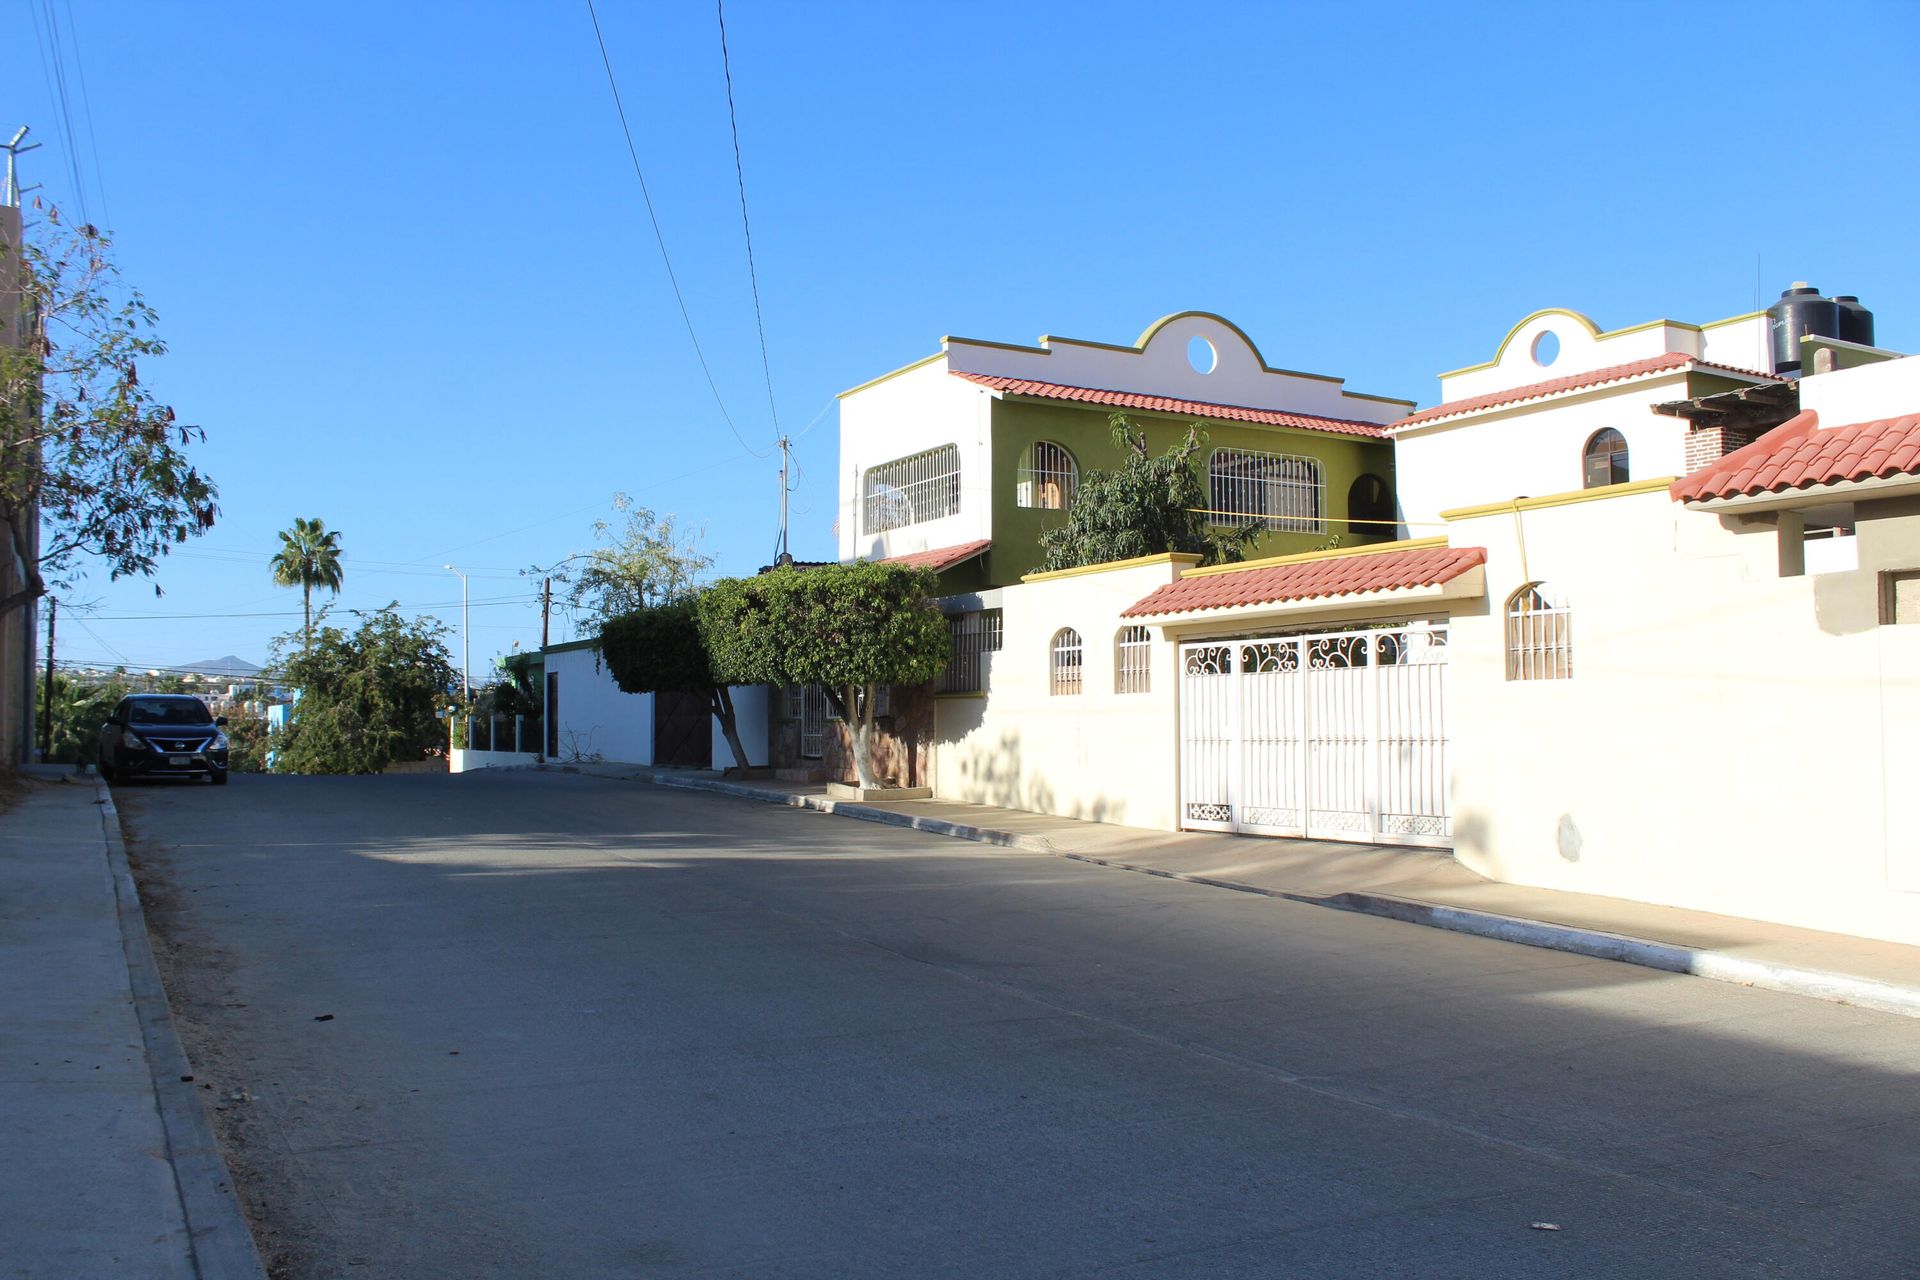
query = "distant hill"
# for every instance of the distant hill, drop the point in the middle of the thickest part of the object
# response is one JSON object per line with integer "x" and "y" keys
{"x": 227, "y": 666}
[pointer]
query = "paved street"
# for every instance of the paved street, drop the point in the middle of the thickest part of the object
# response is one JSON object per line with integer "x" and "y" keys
{"x": 583, "y": 1028}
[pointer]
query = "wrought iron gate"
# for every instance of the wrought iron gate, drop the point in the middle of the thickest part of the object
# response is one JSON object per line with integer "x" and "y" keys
{"x": 1338, "y": 736}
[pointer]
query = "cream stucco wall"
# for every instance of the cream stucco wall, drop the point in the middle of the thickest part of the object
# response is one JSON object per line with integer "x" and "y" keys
{"x": 909, "y": 413}
{"x": 1100, "y": 755}
{"x": 1716, "y": 748}
{"x": 596, "y": 718}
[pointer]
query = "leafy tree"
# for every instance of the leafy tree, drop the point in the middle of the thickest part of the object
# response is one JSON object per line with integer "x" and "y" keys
{"x": 367, "y": 697}
{"x": 849, "y": 628}
{"x": 85, "y": 448}
{"x": 647, "y": 560}
{"x": 660, "y": 650}
{"x": 247, "y": 744}
{"x": 79, "y": 709}
{"x": 309, "y": 557}
{"x": 1148, "y": 506}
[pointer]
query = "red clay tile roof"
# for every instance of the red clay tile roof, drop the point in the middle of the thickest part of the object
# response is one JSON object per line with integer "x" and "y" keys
{"x": 1164, "y": 404}
{"x": 1572, "y": 382}
{"x": 1336, "y": 575}
{"x": 1799, "y": 453}
{"x": 940, "y": 557}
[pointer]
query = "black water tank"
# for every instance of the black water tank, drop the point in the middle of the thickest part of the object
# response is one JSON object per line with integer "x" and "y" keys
{"x": 1856, "y": 322}
{"x": 1800, "y": 311}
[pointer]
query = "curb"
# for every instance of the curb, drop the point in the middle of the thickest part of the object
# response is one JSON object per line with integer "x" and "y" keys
{"x": 1818, "y": 984}
{"x": 217, "y": 1230}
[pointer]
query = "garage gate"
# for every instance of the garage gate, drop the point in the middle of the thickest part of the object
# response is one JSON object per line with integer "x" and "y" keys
{"x": 1339, "y": 736}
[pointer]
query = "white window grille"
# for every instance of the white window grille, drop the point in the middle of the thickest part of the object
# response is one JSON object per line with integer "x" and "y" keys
{"x": 1273, "y": 490}
{"x": 1068, "y": 663}
{"x": 1539, "y": 635}
{"x": 814, "y": 713}
{"x": 973, "y": 634}
{"x": 1130, "y": 655}
{"x": 1047, "y": 478}
{"x": 912, "y": 490}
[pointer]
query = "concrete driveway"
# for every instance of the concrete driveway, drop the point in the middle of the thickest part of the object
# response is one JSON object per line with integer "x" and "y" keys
{"x": 522, "y": 1024}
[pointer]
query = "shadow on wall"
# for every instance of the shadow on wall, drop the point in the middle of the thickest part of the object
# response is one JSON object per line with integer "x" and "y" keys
{"x": 998, "y": 776}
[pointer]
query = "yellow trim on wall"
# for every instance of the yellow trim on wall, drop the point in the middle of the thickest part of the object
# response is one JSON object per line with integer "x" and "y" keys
{"x": 1164, "y": 557}
{"x": 1301, "y": 557}
{"x": 1598, "y": 335}
{"x": 1627, "y": 490}
{"x": 905, "y": 368}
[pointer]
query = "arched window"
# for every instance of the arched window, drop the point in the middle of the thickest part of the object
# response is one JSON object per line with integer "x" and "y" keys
{"x": 1064, "y": 676}
{"x": 1539, "y": 635}
{"x": 1047, "y": 477}
{"x": 1272, "y": 490}
{"x": 1370, "y": 505}
{"x": 1130, "y": 668}
{"x": 1605, "y": 459}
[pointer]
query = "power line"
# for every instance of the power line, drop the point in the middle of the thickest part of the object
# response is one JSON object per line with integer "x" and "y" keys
{"x": 659, "y": 237}
{"x": 746, "y": 227}
{"x": 491, "y": 602}
{"x": 86, "y": 110}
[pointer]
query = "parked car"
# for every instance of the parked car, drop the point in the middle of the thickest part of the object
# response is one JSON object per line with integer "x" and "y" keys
{"x": 163, "y": 735}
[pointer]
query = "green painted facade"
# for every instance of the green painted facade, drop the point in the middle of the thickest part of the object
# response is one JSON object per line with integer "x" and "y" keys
{"x": 1086, "y": 433}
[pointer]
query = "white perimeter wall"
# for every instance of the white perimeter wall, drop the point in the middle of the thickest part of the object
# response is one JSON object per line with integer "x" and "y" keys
{"x": 1714, "y": 749}
{"x": 595, "y": 716}
{"x": 1532, "y": 451}
{"x": 1100, "y": 756}
{"x": 910, "y": 413}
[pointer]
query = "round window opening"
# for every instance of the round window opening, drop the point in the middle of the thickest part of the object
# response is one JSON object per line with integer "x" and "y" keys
{"x": 1201, "y": 355}
{"x": 1546, "y": 348}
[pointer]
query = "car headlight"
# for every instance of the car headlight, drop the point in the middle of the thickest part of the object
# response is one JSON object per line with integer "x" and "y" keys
{"x": 219, "y": 741}
{"x": 132, "y": 741}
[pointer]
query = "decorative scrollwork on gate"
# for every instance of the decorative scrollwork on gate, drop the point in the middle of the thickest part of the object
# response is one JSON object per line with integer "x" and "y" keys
{"x": 1412, "y": 824}
{"x": 1270, "y": 657}
{"x": 1339, "y": 820}
{"x": 1209, "y": 813}
{"x": 1258, "y": 816}
{"x": 1415, "y": 645}
{"x": 1212, "y": 660}
{"x": 1337, "y": 652}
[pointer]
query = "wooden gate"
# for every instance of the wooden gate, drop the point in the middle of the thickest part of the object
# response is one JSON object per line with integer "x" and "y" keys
{"x": 682, "y": 731}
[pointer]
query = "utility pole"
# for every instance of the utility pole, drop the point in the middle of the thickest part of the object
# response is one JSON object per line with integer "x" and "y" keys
{"x": 466, "y": 642}
{"x": 46, "y": 707}
{"x": 781, "y": 555}
{"x": 546, "y": 608}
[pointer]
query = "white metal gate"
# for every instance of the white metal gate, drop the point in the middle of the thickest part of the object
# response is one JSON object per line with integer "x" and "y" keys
{"x": 1338, "y": 736}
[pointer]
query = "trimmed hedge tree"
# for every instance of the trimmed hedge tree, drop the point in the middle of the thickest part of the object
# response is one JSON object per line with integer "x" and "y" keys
{"x": 849, "y": 628}
{"x": 659, "y": 650}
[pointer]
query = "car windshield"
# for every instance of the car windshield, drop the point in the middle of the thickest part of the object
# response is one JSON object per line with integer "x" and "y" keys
{"x": 168, "y": 711}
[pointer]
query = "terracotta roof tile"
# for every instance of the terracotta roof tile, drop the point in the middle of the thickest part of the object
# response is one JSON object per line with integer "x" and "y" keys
{"x": 1332, "y": 575}
{"x": 1800, "y": 453}
{"x": 1165, "y": 404}
{"x": 1572, "y": 382}
{"x": 941, "y": 557}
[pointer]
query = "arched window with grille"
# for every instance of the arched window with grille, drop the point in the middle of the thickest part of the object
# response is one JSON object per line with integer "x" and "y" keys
{"x": 1604, "y": 461}
{"x": 1130, "y": 661}
{"x": 1273, "y": 490}
{"x": 1539, "y": 635}
{"x": 1067, "y": 663}
{"x": 1048, "y": 477}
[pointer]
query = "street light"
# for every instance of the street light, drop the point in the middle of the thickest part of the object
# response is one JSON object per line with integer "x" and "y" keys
{"x": 466, "y": 639}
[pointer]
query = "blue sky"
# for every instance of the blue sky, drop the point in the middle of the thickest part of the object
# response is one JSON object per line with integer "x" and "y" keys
{"x": 402, "y": 260}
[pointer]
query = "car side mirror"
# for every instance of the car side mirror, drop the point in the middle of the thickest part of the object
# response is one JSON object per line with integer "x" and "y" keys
{"x": 219, "y": 722}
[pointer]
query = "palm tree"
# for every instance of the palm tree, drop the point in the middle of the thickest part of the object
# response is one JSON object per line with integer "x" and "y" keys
{"x": 309, "y": 557}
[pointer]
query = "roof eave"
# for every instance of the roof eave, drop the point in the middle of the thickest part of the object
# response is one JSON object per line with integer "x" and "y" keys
{"x": 1471, "y": 584}
{"x": 1812, "y": 495}
{"x": 1555, "y": 397}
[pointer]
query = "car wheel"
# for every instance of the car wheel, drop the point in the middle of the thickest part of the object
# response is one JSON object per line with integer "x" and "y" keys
{"x": 218, "y": 779}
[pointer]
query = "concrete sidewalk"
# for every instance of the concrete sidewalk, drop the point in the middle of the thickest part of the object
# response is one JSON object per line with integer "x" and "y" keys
{"x": 111, "y": 1167}
{"x": 1414, "y": 885}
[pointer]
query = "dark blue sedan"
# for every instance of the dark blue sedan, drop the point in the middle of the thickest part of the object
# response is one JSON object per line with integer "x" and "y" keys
{"x": 163, "y": 735}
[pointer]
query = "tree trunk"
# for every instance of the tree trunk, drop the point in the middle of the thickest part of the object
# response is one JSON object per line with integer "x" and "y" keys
{"x": 306, "y": 606}
{"x": 722, "y": 701}
{"x": 860, "y": 725}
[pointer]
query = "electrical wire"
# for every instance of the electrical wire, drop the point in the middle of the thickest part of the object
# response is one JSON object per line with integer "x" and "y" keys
{"x": 746, "y": 227}
{"x": 86, "y": 111}
{"x": 659, "y": 237}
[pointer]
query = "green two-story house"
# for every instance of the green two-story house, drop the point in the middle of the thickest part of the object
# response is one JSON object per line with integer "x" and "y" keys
{"x": 960, "y": 461}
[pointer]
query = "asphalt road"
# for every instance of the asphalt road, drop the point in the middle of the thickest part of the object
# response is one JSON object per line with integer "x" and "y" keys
{"x": 580, "y": 1028}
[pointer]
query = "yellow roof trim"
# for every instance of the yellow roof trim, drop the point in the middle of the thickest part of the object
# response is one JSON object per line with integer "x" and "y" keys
{"x": 1627, "y": 490}
{"x": 1164, "y": 557}
{"x": 1301, "y": 557}
{"x": 1595, "y": 330}
{"x": 905, "y": 368}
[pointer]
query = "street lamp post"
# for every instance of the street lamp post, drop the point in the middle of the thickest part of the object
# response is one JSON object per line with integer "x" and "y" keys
{"x": 466, "y": 642}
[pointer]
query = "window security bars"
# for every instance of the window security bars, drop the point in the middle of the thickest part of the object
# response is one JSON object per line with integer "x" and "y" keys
{"x": 911, "y": 490}
{"x": 814, "y": 712}
{"x": 1273, "y": 490}
{"x": 1068, "y": 663}
{"x": 1539, "y": 635}
{"x": 1130, "y": 653}
{"x": 973, "y": 634}
{"x": 1047, "y": 478}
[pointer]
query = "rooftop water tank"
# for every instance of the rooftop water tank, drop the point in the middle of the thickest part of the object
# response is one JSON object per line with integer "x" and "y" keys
{"x": 1856, "y": 322}
{"x": 1800, "y": 311}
